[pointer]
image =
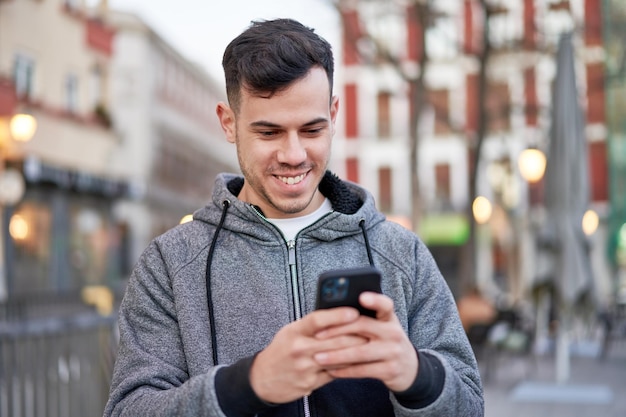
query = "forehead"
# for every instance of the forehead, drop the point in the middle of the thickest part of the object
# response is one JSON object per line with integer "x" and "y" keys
{"x": 307, "y": 95}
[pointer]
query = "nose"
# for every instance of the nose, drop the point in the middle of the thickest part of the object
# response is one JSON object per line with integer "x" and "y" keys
{"x": 292, "y": 151}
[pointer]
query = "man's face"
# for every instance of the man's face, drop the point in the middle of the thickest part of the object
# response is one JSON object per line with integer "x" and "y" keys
{"x": 283, "y": 145}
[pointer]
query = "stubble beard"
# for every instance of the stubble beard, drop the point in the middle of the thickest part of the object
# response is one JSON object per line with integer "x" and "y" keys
{"x": 289, "y": 206}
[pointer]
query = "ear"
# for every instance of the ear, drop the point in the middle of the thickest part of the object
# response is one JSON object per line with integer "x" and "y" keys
{"x": 227, "y": 120}
{"x": 334, "y": 110}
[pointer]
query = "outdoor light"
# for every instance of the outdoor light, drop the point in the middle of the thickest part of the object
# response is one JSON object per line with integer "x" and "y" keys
{"x": 590, "y": 222}
{"x": 532, "y": 164}
{"x": 22, "y": 127}
{"x": 481, "y": 208}
{"x": 18, "y": 227}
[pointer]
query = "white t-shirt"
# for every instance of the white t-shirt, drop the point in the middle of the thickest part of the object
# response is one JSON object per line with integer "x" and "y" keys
{"x": 290, "y": 227}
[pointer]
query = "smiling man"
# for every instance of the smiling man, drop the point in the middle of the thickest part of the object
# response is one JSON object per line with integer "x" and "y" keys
{"x": 219, "y": 315}
{"x": 283, "y": 143}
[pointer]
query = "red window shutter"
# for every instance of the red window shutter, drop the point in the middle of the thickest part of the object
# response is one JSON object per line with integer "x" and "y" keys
{"x": 384, "y": 189}
{"x": 595, "y": 93}
{"x": 351, "y": 100}
{"x": 598, "y": 171}
{"x": 530, "y": 93}
{"x": 352, "y": 169}
{"x": 414, "y": 34}
{"x": 530, "y": 33}
{"x": 351, "y": 35}
{"x": 471, "y": 109}
{"x": 593, "y": 22}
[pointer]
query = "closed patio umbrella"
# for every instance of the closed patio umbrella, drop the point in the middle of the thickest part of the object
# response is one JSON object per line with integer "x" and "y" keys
{"x": 567, "y": 198}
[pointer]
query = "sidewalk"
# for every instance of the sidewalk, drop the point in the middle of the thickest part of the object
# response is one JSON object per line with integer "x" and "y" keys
{"x": 596, "y": 388}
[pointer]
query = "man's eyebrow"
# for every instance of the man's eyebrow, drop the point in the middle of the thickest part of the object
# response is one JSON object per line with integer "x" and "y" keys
{"x": 263, "y": 123}
{"x": 266, "y": 124}
{"x": 316, "y": 121}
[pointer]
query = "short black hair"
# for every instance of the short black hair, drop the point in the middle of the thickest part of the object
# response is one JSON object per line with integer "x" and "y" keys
{"x": 271, "y": 54}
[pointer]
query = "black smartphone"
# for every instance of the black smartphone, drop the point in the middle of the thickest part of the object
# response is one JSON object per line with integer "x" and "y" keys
{"x": 342, "y": 287}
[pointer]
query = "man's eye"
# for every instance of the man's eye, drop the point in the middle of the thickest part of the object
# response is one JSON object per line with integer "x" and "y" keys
{"x": 315, "y": 131}
{"x": 268, "y": 133}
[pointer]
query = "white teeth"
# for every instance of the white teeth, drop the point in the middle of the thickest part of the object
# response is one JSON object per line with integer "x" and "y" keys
{"x": 292, "y": 180}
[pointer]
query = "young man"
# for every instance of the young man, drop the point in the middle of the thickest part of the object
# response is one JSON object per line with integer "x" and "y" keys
{"x": 218, "y": 318}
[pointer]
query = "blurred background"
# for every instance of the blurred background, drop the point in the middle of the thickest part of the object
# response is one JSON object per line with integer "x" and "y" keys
{"x": 494, "y": 129}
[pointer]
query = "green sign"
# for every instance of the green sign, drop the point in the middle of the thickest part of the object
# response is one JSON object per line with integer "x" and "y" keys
{"x": 444, "y": 229}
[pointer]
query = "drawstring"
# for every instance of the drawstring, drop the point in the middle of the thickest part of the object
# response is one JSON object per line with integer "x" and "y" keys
{"x": 209, "y": 294}
{"x": 367, "y": 242}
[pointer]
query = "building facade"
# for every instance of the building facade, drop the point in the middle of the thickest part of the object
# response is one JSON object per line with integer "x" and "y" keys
{"x": 163, "y": 108}
{"x": 127, "y": 142}
{"x": 487, "y": 74}
{"x": 54, "y": 59}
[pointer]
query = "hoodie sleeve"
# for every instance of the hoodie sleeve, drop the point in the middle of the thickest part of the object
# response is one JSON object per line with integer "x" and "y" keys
{"x": 150, "y": 376}
{"x": 436, "y": 332}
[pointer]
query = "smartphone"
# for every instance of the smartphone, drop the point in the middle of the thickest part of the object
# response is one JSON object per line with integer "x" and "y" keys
{"x": 342, "y": 287}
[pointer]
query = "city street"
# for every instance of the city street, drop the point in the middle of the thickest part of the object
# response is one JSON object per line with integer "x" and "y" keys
{"x": 526, "y": 387}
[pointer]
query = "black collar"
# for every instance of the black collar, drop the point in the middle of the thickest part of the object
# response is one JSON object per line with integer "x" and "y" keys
{"x": 341, "y": 197}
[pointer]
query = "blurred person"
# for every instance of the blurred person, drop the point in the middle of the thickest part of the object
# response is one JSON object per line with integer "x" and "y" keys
{"x": 475, "y": 309}
{"x": 218, "y": 318}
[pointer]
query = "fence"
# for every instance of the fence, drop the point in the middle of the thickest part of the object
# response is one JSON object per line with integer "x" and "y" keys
{"x": 56, "y": 358}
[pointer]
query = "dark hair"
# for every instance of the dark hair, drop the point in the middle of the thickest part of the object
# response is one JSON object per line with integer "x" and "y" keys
{"x": 270, "y": 55}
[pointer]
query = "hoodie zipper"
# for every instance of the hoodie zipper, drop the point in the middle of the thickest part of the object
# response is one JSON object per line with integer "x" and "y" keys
{"x": 295, "y": 288}
{"x": 295, "y": 285}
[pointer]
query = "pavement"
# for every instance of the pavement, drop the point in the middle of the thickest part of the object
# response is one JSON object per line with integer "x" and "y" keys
{"x": 525, "y": 386}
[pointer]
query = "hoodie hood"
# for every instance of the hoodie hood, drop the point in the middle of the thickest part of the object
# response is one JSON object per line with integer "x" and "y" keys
{"x": 351, "y": 205}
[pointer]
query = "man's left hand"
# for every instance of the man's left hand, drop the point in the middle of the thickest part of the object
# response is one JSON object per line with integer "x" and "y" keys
{"x": 388, "y": 355}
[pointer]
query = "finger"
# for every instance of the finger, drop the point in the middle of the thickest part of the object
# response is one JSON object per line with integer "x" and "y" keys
{"x": 340, "y": 342}
{"x": 381, "y": 370}
{"x": 319, "y": 320}
{"x": 364, "y": 353}
{"x": 398, "y": 375}
{"x": 380, "y": 303}
{"x": 365, "y": 327}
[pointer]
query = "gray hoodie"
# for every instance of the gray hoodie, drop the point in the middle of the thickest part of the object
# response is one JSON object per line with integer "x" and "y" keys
{"x": 185, "y": 349}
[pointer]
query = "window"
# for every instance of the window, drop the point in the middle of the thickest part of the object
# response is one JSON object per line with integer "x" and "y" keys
{"x": 72, "y": 4}
{"x": 384, "y": 115}
{"x": 439, "y": 100}
{"x": 442, "y": 185}
{"x": 498, "y": 106}
{"x": 351, "y": 101}
{"x": 30, "y": 251}
{"x": 71, "y": 93}
{"x": 23, "y": 71}
{"x": 352, "y": 169}
{"x": 95, "y": 87}
{"x": 384, "y": 189}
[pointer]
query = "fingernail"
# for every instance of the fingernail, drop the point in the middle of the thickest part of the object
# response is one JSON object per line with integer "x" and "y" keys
{"x": 367, "y": 298}
{"x": 320, "y": 357}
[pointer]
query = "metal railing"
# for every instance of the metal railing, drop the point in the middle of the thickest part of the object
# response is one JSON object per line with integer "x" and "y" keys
{"x": 56, "y": 359}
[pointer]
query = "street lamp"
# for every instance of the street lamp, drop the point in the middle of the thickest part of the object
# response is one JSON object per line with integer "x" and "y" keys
{"x": 532, "y": 164}
{"x": 22, "y": 127}
{"x": 482, "y": 209}
{"x": 19, "y": 127}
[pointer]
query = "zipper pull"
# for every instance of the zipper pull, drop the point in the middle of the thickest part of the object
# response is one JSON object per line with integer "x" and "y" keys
{"x": 291, "y": 245}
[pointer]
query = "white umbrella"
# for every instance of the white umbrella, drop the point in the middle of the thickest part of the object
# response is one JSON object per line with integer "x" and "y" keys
{"x": 567, "y": 198}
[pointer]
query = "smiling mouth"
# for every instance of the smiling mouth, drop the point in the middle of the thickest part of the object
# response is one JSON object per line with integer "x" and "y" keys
{"x": 291, "y": 180}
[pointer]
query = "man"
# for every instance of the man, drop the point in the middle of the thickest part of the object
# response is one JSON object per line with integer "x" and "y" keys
{"x": 218, "y": 318}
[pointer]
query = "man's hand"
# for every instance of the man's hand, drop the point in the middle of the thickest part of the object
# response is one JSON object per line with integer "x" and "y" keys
{"x": 285, "y": 370}
{"x": 388, "y": 355}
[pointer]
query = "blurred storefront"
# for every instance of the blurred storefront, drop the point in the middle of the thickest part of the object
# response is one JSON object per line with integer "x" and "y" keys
{"x": 63, "y": 235}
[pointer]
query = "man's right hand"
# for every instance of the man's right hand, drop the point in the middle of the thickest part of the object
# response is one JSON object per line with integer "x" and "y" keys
{"x": 285, "y": 370}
